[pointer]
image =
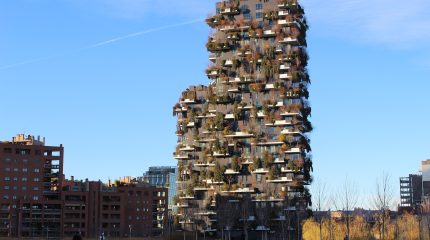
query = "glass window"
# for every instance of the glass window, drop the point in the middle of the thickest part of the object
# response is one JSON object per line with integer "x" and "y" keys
{"x": 259, "y": 6}
{"x": 24, "y": 170}
{"x": 36, "y": 170}
{"x": 7, "y": 169}
{"x": 6, "y": 187}
{"x": 247, "y": 16}
{"x": 24, "y": 179}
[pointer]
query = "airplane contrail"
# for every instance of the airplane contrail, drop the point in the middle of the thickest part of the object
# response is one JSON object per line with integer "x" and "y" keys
{"x": 100, "y": 44}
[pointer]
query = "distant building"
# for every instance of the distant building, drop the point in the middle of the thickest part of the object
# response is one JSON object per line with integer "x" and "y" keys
{"x": 31, "y": 178}
{"x": 415, "y": 188}
{"x": 410, "y": 191}
{"x": 162, "y": 177}
{"x": 93, "y": 208}
{"x": 425, "y": 170}
{"x": 37, "y": 202}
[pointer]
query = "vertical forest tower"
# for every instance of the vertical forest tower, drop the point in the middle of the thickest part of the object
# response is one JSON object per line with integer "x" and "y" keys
{"x": 243, "y": 152}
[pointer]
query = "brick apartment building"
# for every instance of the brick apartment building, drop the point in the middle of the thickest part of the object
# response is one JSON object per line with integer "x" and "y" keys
{"x": 92, "y": 208}
{"x": 36, "y": 200}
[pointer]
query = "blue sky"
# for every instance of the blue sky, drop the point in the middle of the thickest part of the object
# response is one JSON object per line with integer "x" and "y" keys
{"x": 110, "y": 104}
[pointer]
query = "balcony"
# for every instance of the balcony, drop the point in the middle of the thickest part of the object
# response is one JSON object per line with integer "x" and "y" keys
{"x": 188, "y": 101}
{"x": 208, "y": 115}
{"x": 239, "y": 190}
{"x": 284, "y": 67}
{"x": 183, "y": 205}
{"x": 279, "y": 123}
{"x": 281, "y": 180}
{"x": 247, "y": 162}
{"x": 187, "y": 149}
{"x": 289, "y": 170}
{"x": 288, "y": 4}
{"x": 279, "y": 161}
{"x": 234, "y": 90}
{"x": 219, "y": 154}
{"x": 203, "y": 188}
{"x": 269, "y": 143}
{"x": 212, "y": 182}
{"x": 290, "y": 41}
{"x": 269, "y": 33}
{"x": 290, "y": 132}
{"x": 268, "y": 199}
{"x": 208, "y": 213}
{"x": 282, "y": 13}
{"x": 229, "y": 116}
{"x": 239, "y": 135}
{"x": 260, "y": 171}
{"x": 230, "y": 11}
{"x": 231, "y": 172}
{"x": 269, "y": 86}
{"x": 284, "y": 76}
{"x": 206, "y": 164}
{"x": 182, "y": 157}
{"x": 289, "y": 114}
{"x": 212, "y": 58}
{"x": 228, "y": 28}
{"x": 228, "y": 62}
{"x": 284, "y": 22}
{"x": 293, "y": 151}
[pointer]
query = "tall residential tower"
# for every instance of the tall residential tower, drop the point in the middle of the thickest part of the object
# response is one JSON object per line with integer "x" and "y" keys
{"x": 243, "y": 151}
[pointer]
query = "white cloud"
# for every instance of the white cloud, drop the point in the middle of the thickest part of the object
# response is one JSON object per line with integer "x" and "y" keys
{"x": 395, "y": 23}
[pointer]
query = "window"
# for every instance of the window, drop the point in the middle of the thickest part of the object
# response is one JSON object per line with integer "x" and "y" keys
{"x": 24, "y": 170}
{"x": 6, "y": 197}
{"x": 15, "y": 169}
{"x": 7, "y": 150}
{"x": 35, "y": 198}
{"x": 36, "y": 179}
{"x": 23, "y": 152}
{"x": 15, "y": 188}
{"x": 247, "y": 16}
{"x": 24, "y": 179}
{"x": 36, "y": 170}
{"x": 15, "y": 179}
{"x": 6, "y": 187}
{"x": 25, "y": 161}
{"x": 7, "y": 160}
{"x": 7, "y": 169}
{"x": 259, "y": 15}
{"x": 36, "y": 188}
{"x": 24, "y": 188}
{"x": 259, "y": 6}
{"x": 7, "y": 178}
{"x": 14, "y": 198}
{"x": 218, "y": 11}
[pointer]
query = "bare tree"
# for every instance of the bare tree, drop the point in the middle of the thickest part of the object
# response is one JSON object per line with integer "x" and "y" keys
{"x": 425, "y": 212}
{"x": 320, "y": 200}
{"x": 346, "y": 200}
{"x": 383, "y": 200}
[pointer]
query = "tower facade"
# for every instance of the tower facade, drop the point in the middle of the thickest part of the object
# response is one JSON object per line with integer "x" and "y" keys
{"x": 243, "y": 151}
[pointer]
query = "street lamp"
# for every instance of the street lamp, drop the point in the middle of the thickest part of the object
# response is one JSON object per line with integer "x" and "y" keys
{"x": 114, "y": 232}
{"x": 129, "y": 227}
